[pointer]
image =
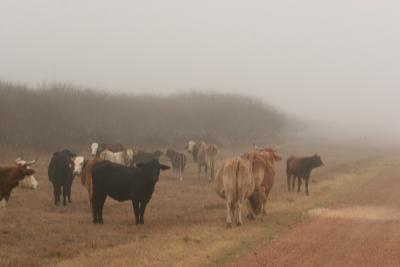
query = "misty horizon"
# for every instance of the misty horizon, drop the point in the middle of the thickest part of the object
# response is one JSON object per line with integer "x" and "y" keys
{"x": 333, "y": 63}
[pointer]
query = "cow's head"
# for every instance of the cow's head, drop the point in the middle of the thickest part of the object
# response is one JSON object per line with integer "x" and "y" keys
{"x": 76, "y": 165}
{"x": 190, "y": 146}
{"x": 153, "y": 168}
{"x": 317, "y": 161}
{"x": 26, "y": 170}
{"x": 256, "y": 200}
{"x": 93, "y": 149}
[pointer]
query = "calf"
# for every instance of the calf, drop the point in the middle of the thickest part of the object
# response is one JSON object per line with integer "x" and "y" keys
{"x": 61, "y": 173}
{"x": 10, "y": 178}
{"x": 178, "y": 161}
{"x": 124, "y": 183}
{"x": 301, "y": 168}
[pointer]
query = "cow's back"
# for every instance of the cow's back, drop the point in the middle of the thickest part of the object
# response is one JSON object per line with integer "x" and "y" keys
{"x": 119, "y": 182}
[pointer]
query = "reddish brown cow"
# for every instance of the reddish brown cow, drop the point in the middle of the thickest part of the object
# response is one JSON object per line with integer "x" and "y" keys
{"x": 301, "y": 168}
{"x": 87, "y": 178}
{"x": 264, "y": 174}
{"x": 10, "y": 178}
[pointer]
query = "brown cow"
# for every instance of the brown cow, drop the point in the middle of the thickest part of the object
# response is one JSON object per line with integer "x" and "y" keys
{"x": 301, "y": 168}
{"x": 10, "y": 178}
{"x": 235, "y": 183}
{"x": 264, "y": 174}
{"x": 87, "y": 178}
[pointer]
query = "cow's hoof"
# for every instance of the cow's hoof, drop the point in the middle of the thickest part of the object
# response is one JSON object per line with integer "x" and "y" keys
{"x": 229, "y": 225}
{"x": 238, "y": 224}
{"x": 250, "y": 217}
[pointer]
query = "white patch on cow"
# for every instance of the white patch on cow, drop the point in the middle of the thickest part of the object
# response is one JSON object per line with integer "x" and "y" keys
{"x": 123, "y": 158}
{"x": 191, "y": 145}
{"x": 93, "y": 148}
{"x": 29, "y": 182}
{"x": 20, "y": 161}
{"x": 78, "y": 165}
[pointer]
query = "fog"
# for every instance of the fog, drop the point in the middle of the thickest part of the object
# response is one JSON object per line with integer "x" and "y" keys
{"x": 333, "y": 62}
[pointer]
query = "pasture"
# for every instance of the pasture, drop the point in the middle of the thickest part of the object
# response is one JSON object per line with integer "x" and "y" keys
{"x": 184, "y": 221}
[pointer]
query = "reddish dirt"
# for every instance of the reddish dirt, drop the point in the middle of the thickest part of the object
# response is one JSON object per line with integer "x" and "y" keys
{"x": 359, "y": 238}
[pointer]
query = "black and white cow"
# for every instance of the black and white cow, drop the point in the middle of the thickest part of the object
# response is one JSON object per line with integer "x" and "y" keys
{"x": 178, "y": 161}
{"x": 124, "y": 183}
{"x": 63, "y": 167}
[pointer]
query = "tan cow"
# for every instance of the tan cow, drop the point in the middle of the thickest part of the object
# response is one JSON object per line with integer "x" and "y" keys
{"x": 235, "y": 183}
{"x": 204, "y": 155}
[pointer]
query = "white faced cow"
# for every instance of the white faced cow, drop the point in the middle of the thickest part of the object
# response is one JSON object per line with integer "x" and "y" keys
{"x": 30, "y": 181}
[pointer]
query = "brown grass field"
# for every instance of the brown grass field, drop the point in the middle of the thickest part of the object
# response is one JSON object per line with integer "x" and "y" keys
{"x": 184, "y": 222}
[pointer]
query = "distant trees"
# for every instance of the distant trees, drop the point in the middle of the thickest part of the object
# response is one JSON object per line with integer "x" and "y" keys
{"x": 58, "y": 116}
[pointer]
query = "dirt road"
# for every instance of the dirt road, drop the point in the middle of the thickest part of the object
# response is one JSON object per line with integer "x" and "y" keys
{"x": 363, "y": 230}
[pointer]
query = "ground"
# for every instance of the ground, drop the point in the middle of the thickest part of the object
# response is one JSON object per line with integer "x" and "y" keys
{"x": 185, "y": 221}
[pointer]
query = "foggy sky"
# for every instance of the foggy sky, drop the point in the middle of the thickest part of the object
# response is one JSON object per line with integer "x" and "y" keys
{"x": 333, "y": 61}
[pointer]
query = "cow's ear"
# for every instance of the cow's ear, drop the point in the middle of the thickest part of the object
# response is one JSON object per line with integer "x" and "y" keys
{"x": 164, "y": 167}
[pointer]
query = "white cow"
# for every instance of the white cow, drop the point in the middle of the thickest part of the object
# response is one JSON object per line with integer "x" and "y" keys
{"x": 124, "y": 158}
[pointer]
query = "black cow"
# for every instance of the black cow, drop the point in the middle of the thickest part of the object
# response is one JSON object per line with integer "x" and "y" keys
{"x": 178, "y": 161}
{"x": 301, "y": 168}
{"x": 124, "y": 183}
{"x": 60, "y": 173}
{"x": 144, "y": 157}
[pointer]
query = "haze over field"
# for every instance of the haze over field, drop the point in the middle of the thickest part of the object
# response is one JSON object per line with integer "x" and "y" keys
{"x": 335, "y": 62}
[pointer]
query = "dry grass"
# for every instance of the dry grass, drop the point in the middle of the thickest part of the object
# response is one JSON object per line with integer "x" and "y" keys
{"x": 184, "y": 220}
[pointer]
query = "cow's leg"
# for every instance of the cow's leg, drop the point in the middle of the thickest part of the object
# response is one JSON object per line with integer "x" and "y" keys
{"x": 102, "y": 199}
{"x": 94, "y": 210}
{"x": 229, "y": 212}
{"x": 142, "y": 209}
{"x": 211, "y": 170}
{"x": 238, "y": 208}
{"x": 264, "y": 207}
{"x": 135, "y": 205}
{"x": 289, "y": 176}
{"x": 199, "y": 165}
{"x": 205, "y": 170}
{"x": 95, "y": 205}
{"x": 306, "y": 180}
{"x": 293, "y": 182}
{"x": 180, "y": 173}
{"x": 298, "y": 183}
{"x": 56, "y": 192}
{"x": 69, "y": 185}
{"x": 250, "y": 213}
{"x": 64, "y": 193}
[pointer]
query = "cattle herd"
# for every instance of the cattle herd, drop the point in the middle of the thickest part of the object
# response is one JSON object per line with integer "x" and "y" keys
{"x": 128, "y": 174}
